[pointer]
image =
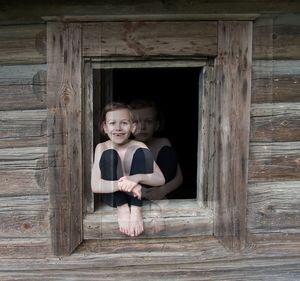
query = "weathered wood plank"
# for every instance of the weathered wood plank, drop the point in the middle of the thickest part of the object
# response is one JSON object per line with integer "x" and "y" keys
{"x": 24, "y": 248}
{"x": 24, "y": 217}
{"x": 277, "y": 36}
{"x": 154, "y": 259}
{"x": 233, "y": 89}
{"x": 262, "y": 38}
{"x": 23, "y": 87}
{"x": 276, "y": 81}
{"x": 150, "y": 39}
{"x": 21, "y": 44}
{"x": 23, "y": 128}
{"x": 64, "y": 142}
{"x": 166, "y": 218}
{"x": 204, "y": 134}
{"x": 274, "y": 207}
{"x": 274, "y": 161}
{"x": 23, "y": 171}
{"x": 275, "y": 122}
{"x": 88, "y": 138}
{"x": 126, "y": 10}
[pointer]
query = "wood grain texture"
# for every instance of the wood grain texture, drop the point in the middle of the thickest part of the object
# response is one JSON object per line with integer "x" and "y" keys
{"x": 277, "y": 37}
{"x": 274, "y": 161}
{"x": 275, "y": 122}
{"x": 12, "y": 12}
{"x": 64, "y": 129}
{"x": 233, "y": 89}
{"x": 23, "y": 128}
{"x": 166, "y": 218}
{"x": 192, "y": 258}
{"x": 23, "y": 87}
{"x": 23, "y": 171}
{"x": 23, "y": 44}
{"x": 274, "y": 208}
{"x": 275, "y": 81}
{"x": 24, "y": 217}
{"x": 150, "y": 39}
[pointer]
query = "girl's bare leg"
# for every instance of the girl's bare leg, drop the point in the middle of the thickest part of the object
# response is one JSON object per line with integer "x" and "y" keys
{"x": 123, "y": 213}
{"x": 136, "y": 221}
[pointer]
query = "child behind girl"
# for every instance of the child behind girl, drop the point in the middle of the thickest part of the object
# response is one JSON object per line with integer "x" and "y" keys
{"x": 121, "y": 165}
{"x": 149, "y": 122}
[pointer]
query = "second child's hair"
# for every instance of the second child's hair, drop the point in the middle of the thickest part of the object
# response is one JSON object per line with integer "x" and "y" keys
{"x": 112, "y": 107}
{"x": 141, "y": 103}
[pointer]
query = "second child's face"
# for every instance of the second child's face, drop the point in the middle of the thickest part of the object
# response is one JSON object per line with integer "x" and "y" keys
{"x": 118, "y": 125}
{"x": 146, "y": 123}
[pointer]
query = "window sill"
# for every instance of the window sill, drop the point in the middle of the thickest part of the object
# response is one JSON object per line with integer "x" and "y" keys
{"x": 164, "y": 218}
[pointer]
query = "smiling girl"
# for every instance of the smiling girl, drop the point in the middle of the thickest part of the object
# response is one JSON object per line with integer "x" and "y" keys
{"x": 121, "y": 165}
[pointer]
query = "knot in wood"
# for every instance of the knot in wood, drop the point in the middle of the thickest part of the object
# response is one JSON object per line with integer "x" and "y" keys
{"x": 66, "y": 94}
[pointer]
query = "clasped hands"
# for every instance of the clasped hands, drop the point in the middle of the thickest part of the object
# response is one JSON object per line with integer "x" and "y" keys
{"x": 127, "y": 185}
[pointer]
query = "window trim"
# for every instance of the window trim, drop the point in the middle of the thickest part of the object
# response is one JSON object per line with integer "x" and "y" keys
{"x": 229, "y": 96}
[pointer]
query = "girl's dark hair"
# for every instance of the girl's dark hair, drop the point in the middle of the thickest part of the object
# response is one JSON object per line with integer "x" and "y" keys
{"x": 112, "y": 107}
{"x": 141, "y": 103}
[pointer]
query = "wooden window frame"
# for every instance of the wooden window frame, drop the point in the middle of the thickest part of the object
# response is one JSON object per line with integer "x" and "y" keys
{"x": 223, "y": 157}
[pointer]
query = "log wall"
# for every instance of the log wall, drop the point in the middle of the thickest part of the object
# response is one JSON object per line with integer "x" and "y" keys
{"x": 274, "y": 167}
{"x": 24, "y": 200}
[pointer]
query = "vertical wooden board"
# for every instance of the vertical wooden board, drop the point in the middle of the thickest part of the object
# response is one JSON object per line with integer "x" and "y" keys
{"x": 233, "y": 66}
{"x": 88, "y": 135}
{"x": 205, "y": 142}
{"x": 64, "y": 142}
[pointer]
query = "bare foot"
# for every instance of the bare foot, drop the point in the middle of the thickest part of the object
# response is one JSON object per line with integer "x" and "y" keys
{"x": 123, "y": 213}
{"x": 136, "y": 221}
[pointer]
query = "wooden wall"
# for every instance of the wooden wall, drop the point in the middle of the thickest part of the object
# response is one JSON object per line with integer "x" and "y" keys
{"x": 274, "y": 171}
{"x": 24, "y": 215}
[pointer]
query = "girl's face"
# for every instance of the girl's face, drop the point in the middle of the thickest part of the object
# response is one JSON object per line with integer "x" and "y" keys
{"x": 147, "y": 123}
{"x": 118, "y": 125}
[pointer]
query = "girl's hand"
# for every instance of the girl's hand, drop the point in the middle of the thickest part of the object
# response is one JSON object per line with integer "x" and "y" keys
{"x": 125, "y": 184}
{"x": 137, "y": 191}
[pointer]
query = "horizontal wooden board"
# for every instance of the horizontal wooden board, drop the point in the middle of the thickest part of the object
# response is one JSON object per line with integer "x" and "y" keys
{"x": 150, "y": 39}
{"x": 274, "y": 161}
{"x": 274, "y": 207}
{"x": 24, "y": 248}
{"x": 23, "y": 44}
{"x": 23, "y": 128}
{"x": 14, "y": 11}
{"x": 275, "y": 81}
{"x": 275, "y": 122}
{"x": 24, "y": 217}
{"x": 193, "y": 258}
{"x": 277, "y": 37}
{"x": 23, "y": 170}
{"x": 23, "y": 87}
{"x": 171, "y": 218}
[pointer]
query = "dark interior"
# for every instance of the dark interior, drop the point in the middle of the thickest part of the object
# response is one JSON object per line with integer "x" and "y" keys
{"x": 175, "y": 90}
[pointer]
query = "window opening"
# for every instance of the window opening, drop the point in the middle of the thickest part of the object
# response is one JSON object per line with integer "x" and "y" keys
{"x": 175, "y": 91}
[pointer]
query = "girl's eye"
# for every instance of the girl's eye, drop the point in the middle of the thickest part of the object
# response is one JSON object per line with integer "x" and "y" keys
{"x": 124, "y": 123}
{"x": 111, "y": 123}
